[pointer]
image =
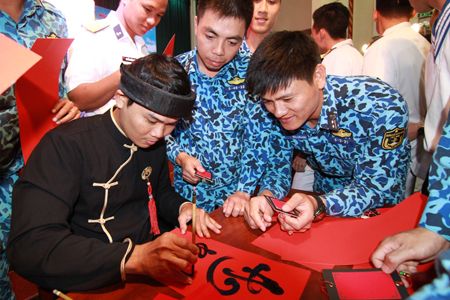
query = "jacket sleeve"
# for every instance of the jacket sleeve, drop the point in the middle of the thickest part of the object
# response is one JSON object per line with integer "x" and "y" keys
{"x": 266, "y": 157}
{"x": 42, "y": 247}
{"x": 436, "y": 216}
{"x": 380, "y": 172}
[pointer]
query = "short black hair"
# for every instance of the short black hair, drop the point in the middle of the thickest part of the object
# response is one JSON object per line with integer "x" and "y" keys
{"x": 394, "y": 8}
{"x": 334, "y": 18}
{"x": 282, "y": 57}
{"x": 240, "y": 9}
{"x": 162, "y": 71}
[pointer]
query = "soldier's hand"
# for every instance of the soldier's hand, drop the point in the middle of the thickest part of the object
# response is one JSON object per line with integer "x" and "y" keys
{"x": 235, "y": 204}
{"x": 405, "y": 250}
{"x": 189, "y": 165}
{"x": 258, "y": 213}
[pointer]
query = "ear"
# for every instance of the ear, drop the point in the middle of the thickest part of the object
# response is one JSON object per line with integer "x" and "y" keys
{"x": 196, "y": 25}
{"x": 320, "y": 76}
{"x": 121, "y": 99}
{"x": 321, "y": 34}
{"x": 375, "y": 15}
{"x": 413, "y": 13}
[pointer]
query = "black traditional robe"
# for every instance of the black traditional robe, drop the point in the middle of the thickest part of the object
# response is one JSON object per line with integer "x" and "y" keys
{"x": 56, "y": 238}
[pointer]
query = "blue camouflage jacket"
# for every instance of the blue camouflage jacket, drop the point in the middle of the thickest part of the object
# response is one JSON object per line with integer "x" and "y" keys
{"x": 231, "y": 135}
{"x": 436, "y": 217}
{"x": 359, "y": 148}
{"x": 38, "y": 20}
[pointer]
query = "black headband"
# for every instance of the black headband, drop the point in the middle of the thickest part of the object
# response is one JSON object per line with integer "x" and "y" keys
{"x": 153, "y": 98}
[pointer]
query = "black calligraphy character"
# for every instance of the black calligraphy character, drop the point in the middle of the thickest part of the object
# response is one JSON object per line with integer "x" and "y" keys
{"x": 267, "y": 283}
{"x": 229, "y": 281}
{"x": 204, "y": 250}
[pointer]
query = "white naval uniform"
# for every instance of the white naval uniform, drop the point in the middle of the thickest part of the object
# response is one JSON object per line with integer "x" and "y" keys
{"x": 399, "y": 58}
{"x": 437, "y": 80}
{"x": 342, "y": 60}
{"x": 93, "y": 56}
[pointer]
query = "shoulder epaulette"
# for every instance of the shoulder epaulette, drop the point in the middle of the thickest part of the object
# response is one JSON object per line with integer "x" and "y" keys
{"x": 372, "y": 42}
{"x": 97, "y": 25}
{"x": 322, "y": 56}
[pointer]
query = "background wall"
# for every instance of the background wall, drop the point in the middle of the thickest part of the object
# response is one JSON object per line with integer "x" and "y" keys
{"x": 297, "y": 15}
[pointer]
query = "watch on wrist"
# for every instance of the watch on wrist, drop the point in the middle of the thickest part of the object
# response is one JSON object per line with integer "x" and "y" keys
{"x": 321, "y": 210}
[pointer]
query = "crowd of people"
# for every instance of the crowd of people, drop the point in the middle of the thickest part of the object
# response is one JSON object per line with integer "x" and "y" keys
{"x": 96, "y": 190}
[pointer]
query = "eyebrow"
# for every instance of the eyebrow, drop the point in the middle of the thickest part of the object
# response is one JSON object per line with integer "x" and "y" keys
{"x": 152, "y": 7}
{"x": 287, "y": 95}
{"x": 236, "y": 37}
{"x": 159, "y": 120}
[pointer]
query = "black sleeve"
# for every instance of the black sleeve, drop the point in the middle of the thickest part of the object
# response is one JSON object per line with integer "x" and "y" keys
{"x": 168, "y": 201}
{"x": 42, "y": 247}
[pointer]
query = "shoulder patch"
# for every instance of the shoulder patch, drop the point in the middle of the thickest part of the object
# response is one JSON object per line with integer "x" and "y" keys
{"x": 96, "y": 25}
{"x": 393, "y": 138}
{"x": 342, "y": 133}
{"x": 236, "y": 81}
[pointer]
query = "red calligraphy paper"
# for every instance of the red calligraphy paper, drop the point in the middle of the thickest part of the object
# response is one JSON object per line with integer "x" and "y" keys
{"x": 205, "y": 291}
{"x": 163, "y": 297}
{"x": 38, "y": 90}
{"x": 363, "y": 284}
{"x": 421, "y": 268}
{"x": 219, "y": 263}
{"x": 15, "y": 60}
{"x": 343, "y": 241}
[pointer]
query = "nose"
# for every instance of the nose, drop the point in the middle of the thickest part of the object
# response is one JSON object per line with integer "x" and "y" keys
{"x": 219, "y": 48}
{"x": 151, "y": 21}
{"x": 263, "y": 7}
{"x": 158, "y": 131}
{"x": 279, "y": 109}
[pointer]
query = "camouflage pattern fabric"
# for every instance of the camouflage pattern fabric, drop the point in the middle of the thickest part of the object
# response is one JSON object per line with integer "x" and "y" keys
{"x": 38, "y": 20}
{"x": 231, "y": 135}
{"x": 359, "y": 149}
{"x": 436, "y": 217}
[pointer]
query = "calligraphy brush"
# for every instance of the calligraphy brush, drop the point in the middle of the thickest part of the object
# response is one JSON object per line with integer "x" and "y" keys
{"x": 194, "y": 205}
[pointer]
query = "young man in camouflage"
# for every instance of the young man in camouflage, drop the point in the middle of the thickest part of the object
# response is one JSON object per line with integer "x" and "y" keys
{"x": 353, "y": 130}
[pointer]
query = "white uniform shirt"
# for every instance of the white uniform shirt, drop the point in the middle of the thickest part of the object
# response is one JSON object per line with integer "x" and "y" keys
{"x": 399, "y": 58}
{"x": 93, "y": 56}
{"x": 437, "y": 80}
{"x": 343, "y": 60}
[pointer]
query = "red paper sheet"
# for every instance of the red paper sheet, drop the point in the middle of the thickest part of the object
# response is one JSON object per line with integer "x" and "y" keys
{"x": 15, "y": 60}
{"x": 339, "y": 241}
{"x": 423, "y": 268}
{"x": 317, "y": 266}
{"x": 38, "y": 90}
{"x": 205, "y": 291}
{"x": 365, "y": 285}
{"x": 164, "y": 297}
{"x": 238, "y": 264}
{"x": 170, "y": 46}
